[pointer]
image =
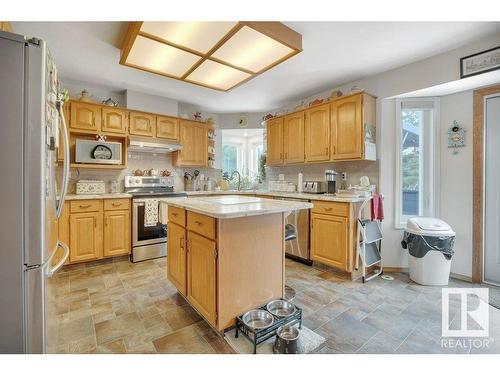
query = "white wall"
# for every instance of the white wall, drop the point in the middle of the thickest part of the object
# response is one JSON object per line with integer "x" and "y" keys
{"x": 426, "y": 73}
{"x": 456, "y": 179}
{"x": 150, "y": 103}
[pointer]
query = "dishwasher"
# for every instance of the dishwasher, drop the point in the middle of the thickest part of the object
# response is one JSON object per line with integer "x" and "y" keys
{"x": 298, "y": 248}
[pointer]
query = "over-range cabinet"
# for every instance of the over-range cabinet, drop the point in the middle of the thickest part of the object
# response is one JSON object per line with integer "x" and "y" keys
{"x": 30, "y": 118}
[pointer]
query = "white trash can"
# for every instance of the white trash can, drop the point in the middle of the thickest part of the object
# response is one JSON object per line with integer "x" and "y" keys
{"x": 430, "y": 247}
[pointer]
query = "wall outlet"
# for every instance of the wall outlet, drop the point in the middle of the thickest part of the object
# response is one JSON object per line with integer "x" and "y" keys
{"x": 344, "y": 176}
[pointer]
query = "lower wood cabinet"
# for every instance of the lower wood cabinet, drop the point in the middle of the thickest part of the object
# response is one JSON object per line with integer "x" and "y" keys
{"x": 94, "y": 230}
{"x": 176, "y": 259}
{"x": 329, "y": 240}
{"x": 116, "y": 233}
{"x": 202, "y": 275}
{"x": 85, "y": 236}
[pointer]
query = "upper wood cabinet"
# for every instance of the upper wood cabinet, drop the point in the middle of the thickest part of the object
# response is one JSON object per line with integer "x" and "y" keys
{"x": 342, "y": 129}
{"x": 167, "y": 127}
{"x": 85, "y": 116}
{"x": 347, "y": 128}
{"x": 329, "y": 240}
{"x": 202, "y": 275}
{"x": 116, "y": 233}
{"x": 114, "y": 120}
{"x": 176, "y": 260}
{"x": 142, "y": 124}
{"x": 318, "y": 133}
{"x": 275, "y": 141}
{"x": 293, "y": 131}
{"x": 193, "y": 137}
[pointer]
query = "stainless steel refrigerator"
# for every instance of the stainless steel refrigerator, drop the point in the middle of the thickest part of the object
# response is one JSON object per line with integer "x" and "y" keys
{"x": 31, "y": 121}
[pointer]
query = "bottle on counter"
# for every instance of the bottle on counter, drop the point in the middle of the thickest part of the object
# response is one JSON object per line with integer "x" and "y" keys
{"x": 300, "y": 183}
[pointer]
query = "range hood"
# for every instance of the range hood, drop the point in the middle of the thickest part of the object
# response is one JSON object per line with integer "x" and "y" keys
{"x": 157, "y": 146}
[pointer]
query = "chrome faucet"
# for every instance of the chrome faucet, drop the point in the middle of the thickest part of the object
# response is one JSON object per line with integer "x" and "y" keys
{"x": 239, "y": 178}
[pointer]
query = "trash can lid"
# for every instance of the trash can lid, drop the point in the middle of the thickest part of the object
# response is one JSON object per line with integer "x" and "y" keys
{"x": 428, "y": 226}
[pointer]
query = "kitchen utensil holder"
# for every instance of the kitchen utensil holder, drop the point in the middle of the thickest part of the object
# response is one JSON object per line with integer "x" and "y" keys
{"x": 258, "y": 336}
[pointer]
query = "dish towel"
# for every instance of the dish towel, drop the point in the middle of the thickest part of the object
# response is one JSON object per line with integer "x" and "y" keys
{"x": 377, "y": 207}
{"x": 150, "y": 212}
{"x": 163, "y": 215}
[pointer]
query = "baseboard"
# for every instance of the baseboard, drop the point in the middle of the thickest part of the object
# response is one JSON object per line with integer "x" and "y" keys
{"x": 395, "y": 269}
{"x": 461, "y": 277}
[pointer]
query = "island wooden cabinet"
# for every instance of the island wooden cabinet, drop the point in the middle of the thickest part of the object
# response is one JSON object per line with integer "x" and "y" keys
{"x": 114, "y": 120}
{"x": 317, "y": 133}
{"x": 275, "y": 141}
{"x": 194, "y": 139}
{"x": 95, "y": 228}
{"x": 202, "y": 275}
{"x": 142, "y": 124}
{"x": 176, "y": 260}
{"x": 293, "y": 135}
{"x": 85, "y": 116}
{"x": 167, "y": 127}
{"x": 116, "y": 233}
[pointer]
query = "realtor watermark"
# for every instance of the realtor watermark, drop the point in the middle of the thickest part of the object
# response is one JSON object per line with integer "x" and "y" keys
{"x": 470, "y": 326}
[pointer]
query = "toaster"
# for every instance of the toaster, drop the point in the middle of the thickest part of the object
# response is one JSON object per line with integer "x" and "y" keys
{"x": 314, "y": 187}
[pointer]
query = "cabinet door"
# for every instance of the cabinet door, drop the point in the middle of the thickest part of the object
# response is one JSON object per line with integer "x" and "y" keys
{"x": 347, "y": 128}
{"x": 201, "y": 264}
{"x": 85, "y": 236}
{"x": 142, "y": 124}
{"x": 275, "y": 141}
{"x": 193, "y": 138}
{"x": 116, "y": 233}
{"x": 167, "y": 127}
{"x": 329, "y": 236}
{"x": 114, "y": 120}
{"x": 176, "y": 259}
{"x": 317, "y": 142}
{"x": 293, "y": 128}
{"x": 85, "y": 116}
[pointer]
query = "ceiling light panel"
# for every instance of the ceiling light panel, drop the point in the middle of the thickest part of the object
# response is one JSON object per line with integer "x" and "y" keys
{"x": 213, "y": 74}
{"x": 197, "y": 36}
{"x": 251, "y": 50}
{"x": 159, "y": 57}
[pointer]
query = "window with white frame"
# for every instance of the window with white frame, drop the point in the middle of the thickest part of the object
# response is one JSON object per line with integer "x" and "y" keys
{"x": 417, "y": 164}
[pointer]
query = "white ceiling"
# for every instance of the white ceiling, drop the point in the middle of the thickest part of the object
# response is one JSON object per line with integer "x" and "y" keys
{"x": 334, "y": 53}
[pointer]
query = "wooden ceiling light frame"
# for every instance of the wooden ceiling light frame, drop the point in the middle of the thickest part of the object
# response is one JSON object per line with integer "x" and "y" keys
{"x": 274, "y": 30}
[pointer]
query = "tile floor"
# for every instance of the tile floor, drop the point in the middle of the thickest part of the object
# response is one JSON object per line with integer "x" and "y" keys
{"x": 119, "y": 307}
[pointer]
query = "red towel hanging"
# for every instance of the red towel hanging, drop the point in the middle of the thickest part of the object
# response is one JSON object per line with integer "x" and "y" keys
{"x": 377, "y": 207}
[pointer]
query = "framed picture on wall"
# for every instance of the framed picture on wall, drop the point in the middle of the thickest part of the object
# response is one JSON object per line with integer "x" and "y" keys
{"x": 479, "y": 63}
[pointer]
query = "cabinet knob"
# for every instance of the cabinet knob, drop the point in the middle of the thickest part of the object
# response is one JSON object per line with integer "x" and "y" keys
{"x": 116, "y": 204}
{"x": 198, "y": 222}
{"x": 181, "y": 242}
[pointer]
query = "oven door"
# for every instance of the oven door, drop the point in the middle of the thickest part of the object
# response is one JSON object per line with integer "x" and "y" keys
{"x": 142, "y": 235}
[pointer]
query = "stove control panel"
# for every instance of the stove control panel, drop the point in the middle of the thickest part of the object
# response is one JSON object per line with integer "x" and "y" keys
{"x": 148, "y": 181}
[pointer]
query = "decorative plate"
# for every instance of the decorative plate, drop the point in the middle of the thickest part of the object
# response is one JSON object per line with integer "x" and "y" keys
{"x": 102, "y": 152}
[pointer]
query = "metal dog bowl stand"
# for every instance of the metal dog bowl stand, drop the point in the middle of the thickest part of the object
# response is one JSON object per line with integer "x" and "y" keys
{"x": 258, "y": 336}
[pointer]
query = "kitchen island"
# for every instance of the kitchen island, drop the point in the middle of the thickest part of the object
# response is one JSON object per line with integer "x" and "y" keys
{"x": 226, "y": 253}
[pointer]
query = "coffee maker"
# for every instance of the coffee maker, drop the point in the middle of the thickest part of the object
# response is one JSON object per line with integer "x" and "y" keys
{"x": 331, "y": 181}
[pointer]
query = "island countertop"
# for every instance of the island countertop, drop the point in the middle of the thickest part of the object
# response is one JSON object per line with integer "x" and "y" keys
{"x": 233, "y": 206}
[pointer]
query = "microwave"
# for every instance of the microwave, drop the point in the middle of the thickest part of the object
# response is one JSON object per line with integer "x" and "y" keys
{"x": 97, "y": 152}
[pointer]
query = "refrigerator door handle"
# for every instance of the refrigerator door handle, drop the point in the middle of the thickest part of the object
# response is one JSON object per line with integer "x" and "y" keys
{"x": 65, "y": 140}
{"x": 52, "y": 270}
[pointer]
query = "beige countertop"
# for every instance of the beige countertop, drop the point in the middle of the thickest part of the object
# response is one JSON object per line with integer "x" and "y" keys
{"x": 295, "y": 195}
{"x": 71, "y": 197}
{"x": 233, "y": 206}
{"x": 305, "y": 196}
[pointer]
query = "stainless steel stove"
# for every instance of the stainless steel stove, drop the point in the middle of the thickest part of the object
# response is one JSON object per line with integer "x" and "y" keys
{"x": 148, "y": 242}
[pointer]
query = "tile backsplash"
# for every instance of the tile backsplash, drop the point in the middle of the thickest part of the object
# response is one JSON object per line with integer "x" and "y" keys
{"x": 316, "y": 172}
{"x": 135, "y": 161}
